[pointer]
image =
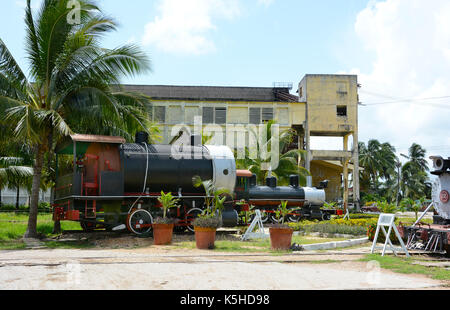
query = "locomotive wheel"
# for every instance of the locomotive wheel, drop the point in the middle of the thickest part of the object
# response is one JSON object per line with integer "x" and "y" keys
{"x": 294, "y": 218}
{"x": 139, "y": 222}
{"x": 264, "y": 217}
{"x": 192, "y": 215}
{"x": 274, "y": 220}
{"x": 179, "y": 229}
{"x": 88, "y": 226}
{"x": 326, "y": 216}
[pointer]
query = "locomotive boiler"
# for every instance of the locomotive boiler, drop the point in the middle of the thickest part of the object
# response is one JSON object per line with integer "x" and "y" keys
{"x": 304, "y": 202}
{"x": 116, "y": 185}
{"x": 434, "y": 237}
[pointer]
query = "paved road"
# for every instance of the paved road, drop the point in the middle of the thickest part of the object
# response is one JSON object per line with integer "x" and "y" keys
{"x": 165, "y": 269}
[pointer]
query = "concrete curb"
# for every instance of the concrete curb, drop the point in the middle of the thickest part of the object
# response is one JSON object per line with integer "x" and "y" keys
{"x": 334, "y": 245}
{"x": 34, "y": 244}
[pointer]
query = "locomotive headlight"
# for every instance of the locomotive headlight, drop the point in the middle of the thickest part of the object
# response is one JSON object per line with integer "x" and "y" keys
{"x": 438, "y": 163}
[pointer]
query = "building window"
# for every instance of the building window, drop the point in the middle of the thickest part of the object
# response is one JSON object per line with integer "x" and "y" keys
{"x": 214, "y": 115}
{"x": 342, "y": 111}
{"x": 267, "y": 115}
{"x": 258, "y": 116}
{"x": 221, "y": 116}
{"x": 159, "y": 114}
{"x": 342, "y": 88}
{"x": 208, "y": 115}
{"x": 255, "y": 116}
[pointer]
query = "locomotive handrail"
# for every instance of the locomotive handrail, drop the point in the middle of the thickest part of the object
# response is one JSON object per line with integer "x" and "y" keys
{"x": 278, "y": 199}
{"x": 116, "y": 197}
{"x": 63, "y": 187}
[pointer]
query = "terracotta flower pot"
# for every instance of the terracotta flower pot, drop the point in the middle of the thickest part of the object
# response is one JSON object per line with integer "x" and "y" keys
{"x": 281, "y": 238}
{"x": 205, "y": 238}
{"x": 162, "y": 233}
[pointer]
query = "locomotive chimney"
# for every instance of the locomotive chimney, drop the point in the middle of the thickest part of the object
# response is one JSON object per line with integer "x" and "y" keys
{"x": 142, "y": 137}
{"x": 294, "y": 180}
{"x": 271, "y": 182}
{"x": 253, "y": 181}
{"x": 196, "y": 140}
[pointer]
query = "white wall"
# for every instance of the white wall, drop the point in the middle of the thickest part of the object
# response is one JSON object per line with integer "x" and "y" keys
{"x": 9, "y": 196}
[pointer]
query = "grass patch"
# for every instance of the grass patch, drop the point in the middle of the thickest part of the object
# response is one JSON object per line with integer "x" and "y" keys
{"x": 406, "y": 266}
{"x": 12, "y": 245}
{"x": 13, "y": 227}
{"x": 256, "y": 246}
{"x": 69, "y": 244}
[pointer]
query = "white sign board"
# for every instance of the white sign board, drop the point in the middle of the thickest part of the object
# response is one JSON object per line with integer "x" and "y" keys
{"x": 388, "y": 220}
{"x": 257, "y": 222}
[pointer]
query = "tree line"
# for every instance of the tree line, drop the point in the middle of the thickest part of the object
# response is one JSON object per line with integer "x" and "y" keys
{"x": 384, "y": 177}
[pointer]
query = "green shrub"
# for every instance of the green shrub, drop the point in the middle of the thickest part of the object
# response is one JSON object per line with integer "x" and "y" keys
{"x": 8, "y": 207}
{"x": 327, "y": 228}
{"x": 42, "y": 207}
{"x": 339, "y": 226}
{"x": 371, "y": 230}
{"x": 360, "y": 216}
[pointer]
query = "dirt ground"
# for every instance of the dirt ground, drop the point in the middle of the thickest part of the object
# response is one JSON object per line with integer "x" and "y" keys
{"x": 130, "y": 263}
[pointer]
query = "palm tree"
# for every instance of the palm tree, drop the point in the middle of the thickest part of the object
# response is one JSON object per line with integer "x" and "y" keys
{"x": 13, "y": 174}
{"x": 71, "y": 85}
{"x": 379, "y": 162}
{"x": 15, "y": 161}
{"x": 288, "y": 163}
{"x": 415, "y": 180}
{"x": 417, "y": 157}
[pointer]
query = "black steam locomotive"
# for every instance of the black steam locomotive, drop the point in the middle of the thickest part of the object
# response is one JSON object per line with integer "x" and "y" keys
{"x": 115, "y": 185}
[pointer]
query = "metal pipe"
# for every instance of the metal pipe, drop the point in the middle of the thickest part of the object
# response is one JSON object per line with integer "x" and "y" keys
{"x": 423, "y": 215}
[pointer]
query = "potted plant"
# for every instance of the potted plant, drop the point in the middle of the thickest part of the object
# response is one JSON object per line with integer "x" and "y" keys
{"x": 163, "y": 226}
{"x": 207, "y": 223}
{"x": 280, "y": 233}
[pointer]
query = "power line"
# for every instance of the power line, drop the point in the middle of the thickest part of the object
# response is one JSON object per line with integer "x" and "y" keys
{"x": 399, "y": 100}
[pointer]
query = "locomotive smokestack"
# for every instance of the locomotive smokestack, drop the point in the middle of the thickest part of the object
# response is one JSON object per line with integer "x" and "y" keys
{"x": 142, "y": 137}
{"x": 196, "y": 140}
{"x": 294, "y": 180}
{"x": 271, "y": 182}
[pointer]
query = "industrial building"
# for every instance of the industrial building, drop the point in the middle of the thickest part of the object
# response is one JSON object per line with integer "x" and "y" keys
{"x": 324, "y": 106}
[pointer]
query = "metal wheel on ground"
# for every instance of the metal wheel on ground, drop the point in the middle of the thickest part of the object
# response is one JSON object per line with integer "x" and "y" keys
{"x": 88, "y": 226}
{"x": 274, "y": 220}
{"x": 191, "y": 215}
{"x": 140, "y": 222}
{"x": 264, "y": 217}
{"x": 326, "y": 216}
{"x": 295, "y": 216}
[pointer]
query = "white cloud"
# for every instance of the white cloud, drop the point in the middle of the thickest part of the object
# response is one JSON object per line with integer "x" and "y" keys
{"x": 411, "y": 43}
{"x": 265, "y": 3}
{"x": 184, "y": 26}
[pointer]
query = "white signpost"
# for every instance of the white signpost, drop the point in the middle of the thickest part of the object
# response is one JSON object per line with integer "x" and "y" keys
{"x": 249, "y": 234}
{"x": 388, "y": 220}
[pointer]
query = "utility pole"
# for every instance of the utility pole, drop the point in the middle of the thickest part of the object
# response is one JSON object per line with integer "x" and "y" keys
{"x": 399, "y": 165}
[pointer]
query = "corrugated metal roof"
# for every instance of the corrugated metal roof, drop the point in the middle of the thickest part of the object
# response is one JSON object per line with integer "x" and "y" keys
{"x": 97, "y": 139}
{"x": 213, "y": 93}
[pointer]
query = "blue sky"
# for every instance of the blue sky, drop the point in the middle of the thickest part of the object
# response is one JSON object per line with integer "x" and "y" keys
{"x": 400, "y": 49}
{"x": 258, "y": 45}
